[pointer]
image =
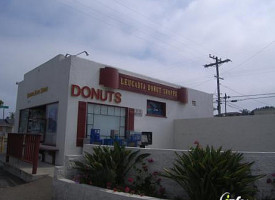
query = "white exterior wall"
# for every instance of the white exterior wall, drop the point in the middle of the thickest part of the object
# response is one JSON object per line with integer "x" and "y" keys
{"x": 53, "y": 74}
{"x": 86, "y": 73}
{"x": 60, "y": 73}
{"x": 243, "y": 133}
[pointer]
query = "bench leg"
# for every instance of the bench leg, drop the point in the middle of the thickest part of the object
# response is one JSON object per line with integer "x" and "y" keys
{"x": 53, "y": 158}
{"x": 51, "y": 153}
{"x": 43, "y": 156}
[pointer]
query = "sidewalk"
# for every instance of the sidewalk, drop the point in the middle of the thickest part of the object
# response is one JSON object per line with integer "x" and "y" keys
{"x": 23, "y": 170}
{"x": 9, "y": 180}
{"x": 40, "y": 189}
{"x": 34, "y": 187}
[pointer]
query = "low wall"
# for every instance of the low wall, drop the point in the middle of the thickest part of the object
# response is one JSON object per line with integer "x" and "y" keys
{"x": 163, "y": 158}
{"x": 69, "y": 190}
{"x": 254, "y": 133}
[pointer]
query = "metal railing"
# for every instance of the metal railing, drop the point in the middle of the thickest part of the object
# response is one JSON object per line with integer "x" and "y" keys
{"x": 24, "y": 147}
{"x": 2, "y": 143}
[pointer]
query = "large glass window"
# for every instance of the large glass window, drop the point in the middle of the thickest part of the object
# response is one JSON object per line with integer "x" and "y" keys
{"x": 155, "y": 108}
{"x": 106, "y": 118}
{"x": 51, "y": 117}
{"x": 37, "y": 121}
{"x": 41, "y": 120}
{"x": 23, "y": 121}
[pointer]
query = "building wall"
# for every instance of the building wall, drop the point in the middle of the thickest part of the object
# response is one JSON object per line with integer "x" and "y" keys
{"x": 86, "y": 73}
{"x": 60, "y": 73}
{"x": 241, "y": 133}
{"x": 53, "y": 74}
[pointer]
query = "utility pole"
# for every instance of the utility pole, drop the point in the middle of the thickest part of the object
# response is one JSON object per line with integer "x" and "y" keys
{"x": 216, "y": 64}
{"x": 225, "y": 99}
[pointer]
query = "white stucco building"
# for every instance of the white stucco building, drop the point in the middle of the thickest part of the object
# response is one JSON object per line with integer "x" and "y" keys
{"x": 66, "y": 97}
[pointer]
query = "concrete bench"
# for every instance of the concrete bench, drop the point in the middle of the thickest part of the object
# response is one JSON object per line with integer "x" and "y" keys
{"x": 51, "y": 150}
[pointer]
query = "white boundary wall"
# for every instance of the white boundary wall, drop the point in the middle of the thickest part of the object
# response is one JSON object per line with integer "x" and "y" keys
{"x": 254, "y": 133}
{"x": 163, "y": 158}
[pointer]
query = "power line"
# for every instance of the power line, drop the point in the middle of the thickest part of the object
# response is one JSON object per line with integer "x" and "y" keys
{"x": 250, "y": 72}
{"x": 235, "y": 106}
{"x": 158, "y": 25}
{"x": 180, "y": 50}
{"x": 252, "y": 98}
{"x": 243, "y": 94}
{"x": 249, "y": 95}
{"x": 249, "y": 58}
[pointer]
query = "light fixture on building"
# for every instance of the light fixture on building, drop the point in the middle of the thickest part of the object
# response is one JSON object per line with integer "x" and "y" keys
{"x": 87, "y": 54}
{"x": 82, "y": 52}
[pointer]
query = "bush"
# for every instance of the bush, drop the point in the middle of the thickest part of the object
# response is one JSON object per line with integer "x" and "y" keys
{"x": 209, "y": 173}
{"x": 145, "y": 181}
{"x": 107, "y": 167}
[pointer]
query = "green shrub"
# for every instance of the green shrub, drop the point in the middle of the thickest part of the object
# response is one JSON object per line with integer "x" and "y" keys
{"x": 146, "y": 182}
{"x": 106, "y": 166}
{"x": 208, "y": 173}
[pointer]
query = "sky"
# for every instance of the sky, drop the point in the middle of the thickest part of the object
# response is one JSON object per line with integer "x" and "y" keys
{"x": 165, "y": 39}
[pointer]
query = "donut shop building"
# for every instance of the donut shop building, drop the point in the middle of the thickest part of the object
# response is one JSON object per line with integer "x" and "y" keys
{"x": 67, "y": 98}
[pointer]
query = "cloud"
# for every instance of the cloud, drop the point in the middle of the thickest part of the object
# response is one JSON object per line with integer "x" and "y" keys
{"x": 168, "y": 40}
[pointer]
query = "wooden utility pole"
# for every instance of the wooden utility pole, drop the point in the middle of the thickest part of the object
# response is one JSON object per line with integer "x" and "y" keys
{"x": 216, "y": 64}
{"x": 225, "y": 101}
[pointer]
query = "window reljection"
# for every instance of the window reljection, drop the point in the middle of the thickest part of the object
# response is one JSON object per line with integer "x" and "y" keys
{"x": 106, "y": 118}
{"x": 40, "y": 120}
{"x": 51, "y": 129}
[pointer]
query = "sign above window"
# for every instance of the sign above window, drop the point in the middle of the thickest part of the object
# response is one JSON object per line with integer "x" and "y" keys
{"x": 37, "y": 92}
{"x": 98, "y": 94}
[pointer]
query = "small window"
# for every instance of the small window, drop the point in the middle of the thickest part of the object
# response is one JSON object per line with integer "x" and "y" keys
{"x": 194, "y": 103}
{"x": 155, "y": 108}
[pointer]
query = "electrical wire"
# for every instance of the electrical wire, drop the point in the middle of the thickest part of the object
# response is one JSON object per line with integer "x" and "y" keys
{"x": 249, "y": 95}
{"x": 180, "y": 50}
{"x": 249, "y": 73}
{"x": 266, "y": 104}
{"x": 143, "y": 37}
{"x": 251, "y": 57}
{"x": 235, "y": 106}
{"x": 159, "y": 25}
{"x": 252, "y": 98}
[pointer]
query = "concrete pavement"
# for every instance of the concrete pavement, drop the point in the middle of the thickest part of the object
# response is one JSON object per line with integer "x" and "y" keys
{"x": 9, "y": 180}
{"x": 12, "y": 188}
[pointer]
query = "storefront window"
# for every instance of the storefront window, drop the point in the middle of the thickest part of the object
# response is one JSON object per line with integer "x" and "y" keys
{"x": 40, "y": 120}
{"x": 155, "y": 108}
{"x": 37, "y": 121}
{"x": 23, "y": 121}
{"x": 51, "y": 117}
{"x": 106, "y": 118}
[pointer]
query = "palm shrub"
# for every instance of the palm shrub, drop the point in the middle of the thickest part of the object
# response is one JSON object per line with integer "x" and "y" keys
{"x": 209, "y": 173}
{"x": 107, "y": 166}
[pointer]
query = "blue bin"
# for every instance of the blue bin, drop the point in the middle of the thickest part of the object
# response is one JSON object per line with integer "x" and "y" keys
{"x": 135, "y": 137}
{"x": 108, "y": 142}
{"x": 95, "y": 136}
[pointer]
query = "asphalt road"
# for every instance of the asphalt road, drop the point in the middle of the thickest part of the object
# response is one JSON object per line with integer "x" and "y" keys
{"x": 13, "y": 188}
